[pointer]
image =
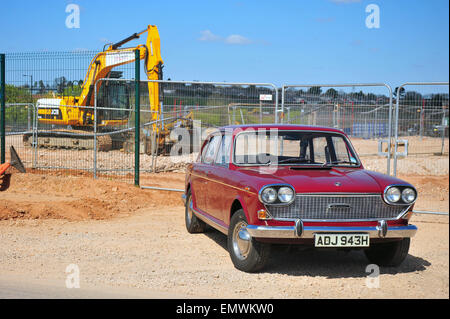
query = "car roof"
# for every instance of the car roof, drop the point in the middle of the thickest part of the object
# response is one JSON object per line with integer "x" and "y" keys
{"x": 280, "y": 127}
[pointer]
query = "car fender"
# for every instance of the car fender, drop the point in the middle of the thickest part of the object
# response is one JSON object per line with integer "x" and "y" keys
{"x": 243, "y": 204}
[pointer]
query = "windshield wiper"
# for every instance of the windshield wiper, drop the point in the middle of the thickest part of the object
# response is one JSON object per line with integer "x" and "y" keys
{"x": 297, "y": 160}
{"x": 338, "y": 162}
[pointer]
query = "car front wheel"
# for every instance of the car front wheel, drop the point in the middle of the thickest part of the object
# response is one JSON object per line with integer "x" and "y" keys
{"x": 246, "y": 253}
{"x": 388, "y": 254}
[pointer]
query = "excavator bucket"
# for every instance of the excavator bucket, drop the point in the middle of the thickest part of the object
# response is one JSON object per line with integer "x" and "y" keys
{"x": 5, "y": 178}
{"x": 3, "y": 168}
{"x": 15, "y": 160}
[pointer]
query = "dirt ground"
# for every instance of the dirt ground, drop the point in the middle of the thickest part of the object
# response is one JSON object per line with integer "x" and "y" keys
{"x": 124, "y": 237}
{"x": 39, "y": 196}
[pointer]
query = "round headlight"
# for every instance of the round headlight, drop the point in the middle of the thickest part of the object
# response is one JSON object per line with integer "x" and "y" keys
{"x": 285, "y": 194}
{"x": 408, "y": 195}
{"x": 269, "y": 195}
{"x": 393, "y": 195}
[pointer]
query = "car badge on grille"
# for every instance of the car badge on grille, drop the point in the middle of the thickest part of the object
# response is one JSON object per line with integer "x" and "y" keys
{"x": 337, "y": 184}
{"x": 338, "y": 206}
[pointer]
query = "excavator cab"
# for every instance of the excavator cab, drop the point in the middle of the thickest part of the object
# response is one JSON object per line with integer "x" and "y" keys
{"x": 113, "y": 101}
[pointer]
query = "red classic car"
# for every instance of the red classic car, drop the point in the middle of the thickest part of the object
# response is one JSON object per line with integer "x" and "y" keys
{"x": 264, "y": 184}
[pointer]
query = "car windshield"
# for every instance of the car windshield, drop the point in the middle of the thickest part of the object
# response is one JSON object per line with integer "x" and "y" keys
{"x": 276, "y": 147}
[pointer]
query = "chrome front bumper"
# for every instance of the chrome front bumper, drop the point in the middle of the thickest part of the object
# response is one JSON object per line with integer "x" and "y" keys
{"x": 382, "y": 230}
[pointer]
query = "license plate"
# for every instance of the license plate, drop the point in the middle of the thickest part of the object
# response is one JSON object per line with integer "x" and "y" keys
{"x": 341, "y": 240}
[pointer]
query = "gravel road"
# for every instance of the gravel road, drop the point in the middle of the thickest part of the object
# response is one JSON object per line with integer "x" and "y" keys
{"x": 151, "y": 251}
{"x": 13, "y": 287}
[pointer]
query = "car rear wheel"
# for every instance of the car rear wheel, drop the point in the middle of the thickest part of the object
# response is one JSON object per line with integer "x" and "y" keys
{"x": 193, "y": 224}
{"x": 388, "y": 254}
{"x": 246, "y": 253}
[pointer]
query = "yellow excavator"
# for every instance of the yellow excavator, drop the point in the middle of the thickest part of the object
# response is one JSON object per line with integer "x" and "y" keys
{"x": 75, "y": 114}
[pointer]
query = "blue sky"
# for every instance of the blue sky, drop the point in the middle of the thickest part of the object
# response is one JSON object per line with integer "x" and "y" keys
{"x": 303, "y": 41}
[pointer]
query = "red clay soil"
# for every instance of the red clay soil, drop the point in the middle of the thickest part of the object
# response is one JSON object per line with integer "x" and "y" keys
{"x": 36, "y": 196}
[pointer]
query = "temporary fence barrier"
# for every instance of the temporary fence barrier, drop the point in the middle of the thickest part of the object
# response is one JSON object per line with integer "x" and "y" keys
{"x": 363, "y": 116}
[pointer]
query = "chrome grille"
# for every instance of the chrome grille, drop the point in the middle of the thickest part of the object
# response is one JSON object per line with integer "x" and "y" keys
{"x": 336, "y": 207}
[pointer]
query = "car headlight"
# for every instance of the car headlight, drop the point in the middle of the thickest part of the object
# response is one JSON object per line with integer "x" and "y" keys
{"x": 400, "y": 195}
{"x": 392, "y": 195}
{"x": 269, "y": 195}
{"x": 285, "y": 194}
{"x": 408, "y": 195}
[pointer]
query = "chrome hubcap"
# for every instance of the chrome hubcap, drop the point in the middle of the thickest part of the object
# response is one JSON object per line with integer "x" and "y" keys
{"x": 241, "y": 240}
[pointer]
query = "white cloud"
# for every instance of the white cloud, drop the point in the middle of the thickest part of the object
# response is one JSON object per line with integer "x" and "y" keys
{"x": 237, "y": 39}
{"x": 208, "y": 36}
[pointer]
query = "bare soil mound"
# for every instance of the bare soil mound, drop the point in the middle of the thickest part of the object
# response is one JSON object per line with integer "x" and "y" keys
{"x": 34, "y": 196}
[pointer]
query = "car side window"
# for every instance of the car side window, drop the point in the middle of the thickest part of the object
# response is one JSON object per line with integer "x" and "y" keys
{"x": 343, "y": 153}
{"x": 204, "y": 149}
{"x": 223, "y": 154}
{"x": 320, "y": 144}
{"x": 212, "y": 148}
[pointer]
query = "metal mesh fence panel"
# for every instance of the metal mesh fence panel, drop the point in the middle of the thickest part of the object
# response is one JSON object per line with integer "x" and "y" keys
{"x": 219, "y": 104}
{"x": 43, "y": 89}
{"x": 423, "y": 118}
{"x": 200, "y": 107}
{"x": 19, "y": 119}
{"x": 114, "y": 154}
{"x": 360, "y": 110}
{"x": 423, "y": 140}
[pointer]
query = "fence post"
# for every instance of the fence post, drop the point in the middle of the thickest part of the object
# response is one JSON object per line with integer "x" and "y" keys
{"x": 137, "y": 117}
{"x": 2, "y": 108}
{"x": 95, "y": 130}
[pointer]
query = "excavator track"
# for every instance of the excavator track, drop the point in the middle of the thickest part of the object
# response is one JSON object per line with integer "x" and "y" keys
{"x": 69, "y": 139}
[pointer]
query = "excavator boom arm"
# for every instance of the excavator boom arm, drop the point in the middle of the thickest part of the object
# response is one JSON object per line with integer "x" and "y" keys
{"x": 115, "y": 56}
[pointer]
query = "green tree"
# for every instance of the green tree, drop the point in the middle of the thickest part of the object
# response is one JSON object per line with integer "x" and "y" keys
{"x": 16, "y": 115}
{"x": 331, "y": 93}
{"x": 315, "y": 90}
{"x": 72, "y": 90}
{"x": 15, "y": 94}
{"x": 60, "y": 84}
{"x": 41, "y": 87}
